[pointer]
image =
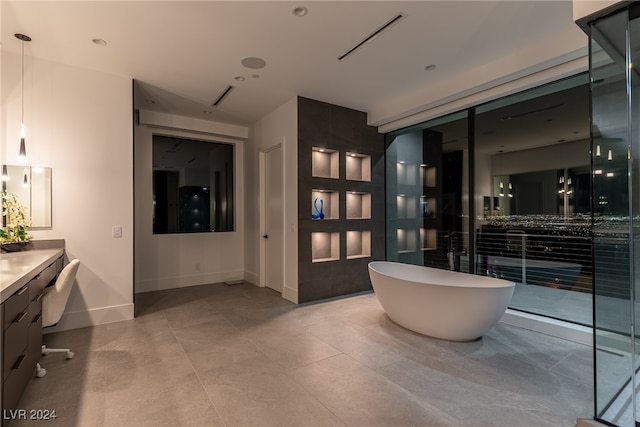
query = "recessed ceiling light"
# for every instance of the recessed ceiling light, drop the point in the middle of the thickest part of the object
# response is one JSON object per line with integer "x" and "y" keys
{"x": 239, "y": 78}
{"x": 99, "y": 42}
{"x": 430, "y": 67}
{"x": 300, "y": 11}
{"x": 253, "y": 62}
{"x": 255, "y": 76}
{"x": 149, "y": 101}
{"x": 206, "y": 112}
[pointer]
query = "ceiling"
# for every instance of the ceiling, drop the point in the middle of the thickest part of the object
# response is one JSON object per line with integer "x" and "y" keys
{"x": 185, "y": 54}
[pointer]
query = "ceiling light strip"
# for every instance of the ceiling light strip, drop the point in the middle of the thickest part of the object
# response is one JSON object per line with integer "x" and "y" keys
{"x": 515, "y": 116}
{"x": 399, "y": 17}
{"x": 222, "y": 96}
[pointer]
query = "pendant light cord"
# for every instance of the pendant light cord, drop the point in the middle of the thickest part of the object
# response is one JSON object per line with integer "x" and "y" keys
{"x": 22, "y": 117}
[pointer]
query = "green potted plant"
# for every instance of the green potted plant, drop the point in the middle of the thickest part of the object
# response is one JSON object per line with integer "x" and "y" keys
{"x": 15, "y": 223}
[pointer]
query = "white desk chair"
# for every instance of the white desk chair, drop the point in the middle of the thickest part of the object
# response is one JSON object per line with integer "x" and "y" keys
{"x": 54, "y": 301}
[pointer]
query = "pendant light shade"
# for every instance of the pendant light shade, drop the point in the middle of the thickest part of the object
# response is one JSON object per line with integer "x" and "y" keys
{"x": 22, "y": 155}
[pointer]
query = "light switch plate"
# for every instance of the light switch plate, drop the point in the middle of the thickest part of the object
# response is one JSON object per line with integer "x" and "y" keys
{"x": 116, "y": 231}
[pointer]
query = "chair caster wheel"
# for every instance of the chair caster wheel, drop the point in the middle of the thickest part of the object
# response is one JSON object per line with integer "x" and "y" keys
{"x": 70, "y": 354}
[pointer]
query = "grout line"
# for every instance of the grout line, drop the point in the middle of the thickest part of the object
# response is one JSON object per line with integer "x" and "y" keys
{"x": 204, "y": 389}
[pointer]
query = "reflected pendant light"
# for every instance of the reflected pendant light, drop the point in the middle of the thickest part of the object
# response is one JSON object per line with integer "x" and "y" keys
{"x": 610, "y": 156}
{"x": 5, "y": 173}
{"x": 597, "y": 150}
{"x": 22, "y": 156}
{"x": 25, "y": 180}
{"x": 501, "y": 189}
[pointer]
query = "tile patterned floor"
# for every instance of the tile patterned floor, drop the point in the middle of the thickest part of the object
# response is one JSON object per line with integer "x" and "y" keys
{"x": 219, "y": 355}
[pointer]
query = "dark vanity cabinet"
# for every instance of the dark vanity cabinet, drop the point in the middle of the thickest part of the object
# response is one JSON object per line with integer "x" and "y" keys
{"x": 21, "y": 316}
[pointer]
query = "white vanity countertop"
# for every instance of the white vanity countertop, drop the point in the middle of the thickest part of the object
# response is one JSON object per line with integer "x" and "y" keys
{"x": 17, "y": 268}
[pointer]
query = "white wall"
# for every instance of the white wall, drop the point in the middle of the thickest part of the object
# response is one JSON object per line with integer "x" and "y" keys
{"x": 165, "y": 261}
{"x": 278, "y": 127}
{"x": 79, "y": 123}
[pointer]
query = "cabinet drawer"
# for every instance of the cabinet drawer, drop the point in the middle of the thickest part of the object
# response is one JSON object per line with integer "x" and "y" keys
{"x": 35, "y": 308}
{"x": 37, "y": 284}
{"x": 34, "y": 349}
{"x": 14, "y": 306}
{"x": 15, "y": 384}
{"x": 15, "y": 342}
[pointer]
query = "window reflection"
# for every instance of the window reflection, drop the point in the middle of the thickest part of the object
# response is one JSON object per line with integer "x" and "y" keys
{"x": 526, "y": 213}
{"x": 192, "y": 186}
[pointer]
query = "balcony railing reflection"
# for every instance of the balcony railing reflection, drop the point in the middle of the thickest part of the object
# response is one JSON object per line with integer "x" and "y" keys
{"x": 537, "y": 258}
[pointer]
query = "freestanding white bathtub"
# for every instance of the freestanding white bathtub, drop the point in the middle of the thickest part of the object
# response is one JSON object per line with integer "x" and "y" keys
{"x": 440, "y": 303}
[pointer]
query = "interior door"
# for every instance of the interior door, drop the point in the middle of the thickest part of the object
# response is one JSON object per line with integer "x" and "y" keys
{"x": 274, "y": 221}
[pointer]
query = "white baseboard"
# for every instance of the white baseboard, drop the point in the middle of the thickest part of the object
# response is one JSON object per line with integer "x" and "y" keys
{"x": 252, "y": 278}
{"x": 93, "y": 317}
{"x": 186, "y": 281}
{"x": 557, "y": 328}
{"x": 290, "y": 294}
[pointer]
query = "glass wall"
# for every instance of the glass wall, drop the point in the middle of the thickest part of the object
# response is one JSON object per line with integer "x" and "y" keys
{"x": 502, "y": 189}
{"x": 533, "y": 195}
{"x": 428, "y": 194}
{"x": 614, "y": 43}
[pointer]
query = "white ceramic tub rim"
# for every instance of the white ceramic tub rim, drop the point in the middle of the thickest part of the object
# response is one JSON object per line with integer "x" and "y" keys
{"x": 437, "y": 277}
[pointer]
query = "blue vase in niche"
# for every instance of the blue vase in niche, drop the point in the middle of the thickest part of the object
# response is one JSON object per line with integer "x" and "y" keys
{"x": 319, "y": 212}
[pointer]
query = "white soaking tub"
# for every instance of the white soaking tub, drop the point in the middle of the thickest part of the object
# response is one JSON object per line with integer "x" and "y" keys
{"x": 440, "y": 303}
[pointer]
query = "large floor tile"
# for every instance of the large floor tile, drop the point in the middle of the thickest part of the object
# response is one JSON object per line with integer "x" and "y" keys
{"x": 291, "y": 349}
{"x": 192, "y": 313}
{"x": 354, "y": 341}
{"x": 218, "y": 355}
{"x": 468, "y": 402}
{"x": 360, "y": 396}
{"x": 205, "y": 335}
{"x": 185, "y": 403}
{"x": 258, "y": 392}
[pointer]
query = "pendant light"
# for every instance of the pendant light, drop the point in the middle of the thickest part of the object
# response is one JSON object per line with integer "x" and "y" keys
{"x": 22, "y": 156}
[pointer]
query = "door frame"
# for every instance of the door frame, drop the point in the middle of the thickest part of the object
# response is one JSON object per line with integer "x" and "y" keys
{"x": 262, "y": 201}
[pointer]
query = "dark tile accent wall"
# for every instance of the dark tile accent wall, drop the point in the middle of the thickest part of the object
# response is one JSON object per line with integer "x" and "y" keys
{"x": 344, "y": 130}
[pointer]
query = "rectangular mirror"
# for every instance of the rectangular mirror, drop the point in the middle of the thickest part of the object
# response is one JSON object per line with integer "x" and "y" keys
{"x": 32, "y": 186}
